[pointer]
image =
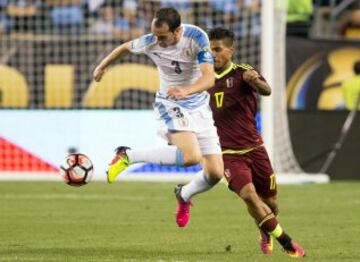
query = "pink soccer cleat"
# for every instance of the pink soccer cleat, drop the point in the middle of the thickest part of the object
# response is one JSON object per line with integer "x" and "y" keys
{"x": 183, "y": 208}
{"x": 266, "y": 243}
{"x": 297, "y": 251}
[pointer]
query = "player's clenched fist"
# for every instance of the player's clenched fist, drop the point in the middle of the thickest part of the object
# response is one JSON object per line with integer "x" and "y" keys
{"x": 251, "y": 76}
{"x": 98, "y": 73}
{"x": 176, "y": 92}
{"x": 254, "y": 79}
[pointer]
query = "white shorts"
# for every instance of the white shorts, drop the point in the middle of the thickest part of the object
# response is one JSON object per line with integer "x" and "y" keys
{"x": 173, "y": 117}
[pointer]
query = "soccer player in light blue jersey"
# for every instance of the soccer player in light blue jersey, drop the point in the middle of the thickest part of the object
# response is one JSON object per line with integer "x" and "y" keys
{"x": 182, "y": 55}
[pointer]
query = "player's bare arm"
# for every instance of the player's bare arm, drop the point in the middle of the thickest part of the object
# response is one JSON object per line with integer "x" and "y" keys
{"x": 253, "y": 79}
{"x": 205, "y": 82}
{"x": 117, "y": 53}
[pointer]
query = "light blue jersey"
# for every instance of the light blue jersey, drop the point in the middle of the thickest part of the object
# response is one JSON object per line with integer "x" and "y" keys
{"x": 178, "y": 64}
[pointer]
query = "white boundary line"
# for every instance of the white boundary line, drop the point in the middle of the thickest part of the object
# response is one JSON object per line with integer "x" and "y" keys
{"x": 159, "y": 177}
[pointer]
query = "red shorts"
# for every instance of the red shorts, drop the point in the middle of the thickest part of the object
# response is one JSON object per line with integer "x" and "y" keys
{"x": 253, "y": 167}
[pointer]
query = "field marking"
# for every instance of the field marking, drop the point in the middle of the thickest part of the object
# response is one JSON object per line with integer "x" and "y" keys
{"x": 76, "y": 197}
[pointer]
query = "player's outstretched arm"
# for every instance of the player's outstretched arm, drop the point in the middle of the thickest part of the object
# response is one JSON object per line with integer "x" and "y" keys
{"x": 253, "y": 79}
{"x": 117, "y": 53}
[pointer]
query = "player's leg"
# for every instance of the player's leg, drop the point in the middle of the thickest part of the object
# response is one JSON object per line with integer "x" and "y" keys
{"x": 265, "y": 184}
{"x": 212, "y": 164}
{"x": 258, "y": 210}
{"x": 166, "y": 155}
{"x": 239, "y": 176}
{"x": 210, "y": 175}
{"x": 272, "y": 203}
{"x": 177, "y": 124}
{"x": 292, "y": 248}
{"x": 203, "y": 181}
{"x": 188, "y": 144}
{"x": 267, "y": 222}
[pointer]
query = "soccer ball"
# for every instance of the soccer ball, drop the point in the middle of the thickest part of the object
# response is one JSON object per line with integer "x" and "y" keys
{"x": 77, "y": 169}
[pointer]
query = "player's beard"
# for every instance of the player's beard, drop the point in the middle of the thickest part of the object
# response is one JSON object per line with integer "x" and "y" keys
{"x": 217, "y": 66}
{"x": 220, "y": 66}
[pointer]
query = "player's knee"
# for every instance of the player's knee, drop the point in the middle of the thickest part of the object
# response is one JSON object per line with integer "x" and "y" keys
{"x": 192, "y": 158}
{"x": 215, "y": 177}
{"x": 215, "y": 171}
{"x": 217, "y": 174}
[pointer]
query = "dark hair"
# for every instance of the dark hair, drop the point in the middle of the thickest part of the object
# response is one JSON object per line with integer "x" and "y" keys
{"x": 169, "y": 16}
{"x": 220, "y": 33}
{"x": 357, "y": 67}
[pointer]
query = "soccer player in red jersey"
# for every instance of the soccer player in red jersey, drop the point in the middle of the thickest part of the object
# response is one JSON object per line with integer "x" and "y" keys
{"x": 246, "y": 162}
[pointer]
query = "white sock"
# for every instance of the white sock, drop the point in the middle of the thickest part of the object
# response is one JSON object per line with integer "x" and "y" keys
{"x": 167, "y": 155}
{"x": 198, "y": 185}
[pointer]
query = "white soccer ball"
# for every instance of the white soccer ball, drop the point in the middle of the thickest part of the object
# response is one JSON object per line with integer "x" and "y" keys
{"x": 77, "y": 169}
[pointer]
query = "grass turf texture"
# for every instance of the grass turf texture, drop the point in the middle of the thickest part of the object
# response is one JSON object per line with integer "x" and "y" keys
{"x": 127, "y": 221}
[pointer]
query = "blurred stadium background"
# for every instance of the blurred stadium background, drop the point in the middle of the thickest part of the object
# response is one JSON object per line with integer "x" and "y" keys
{"x": 49, "y": 106}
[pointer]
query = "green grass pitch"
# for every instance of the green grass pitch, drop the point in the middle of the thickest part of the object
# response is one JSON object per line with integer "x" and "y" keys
{"x": 129, "y": 221}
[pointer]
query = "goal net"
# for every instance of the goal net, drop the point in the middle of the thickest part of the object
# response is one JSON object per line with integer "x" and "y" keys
{"x": 49, "y": 49}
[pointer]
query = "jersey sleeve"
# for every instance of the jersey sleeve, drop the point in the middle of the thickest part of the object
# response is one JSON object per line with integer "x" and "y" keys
{"x": 205, "y": 56}
{"x": 138, "y": 45}
{"x": 203, "y": 53}
{"x": 201, "y": 44}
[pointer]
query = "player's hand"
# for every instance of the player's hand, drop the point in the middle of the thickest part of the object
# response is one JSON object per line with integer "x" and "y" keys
{"x": 251, "y": 77}
{"x": 176, "y": 92}
{"x": 98, "y": 73}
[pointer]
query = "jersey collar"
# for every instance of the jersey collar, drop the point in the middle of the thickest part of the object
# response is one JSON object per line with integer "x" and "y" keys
{"x": 225, "y": 72}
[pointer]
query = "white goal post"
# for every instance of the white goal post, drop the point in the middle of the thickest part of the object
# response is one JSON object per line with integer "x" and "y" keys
{"x": 276, "y": 133}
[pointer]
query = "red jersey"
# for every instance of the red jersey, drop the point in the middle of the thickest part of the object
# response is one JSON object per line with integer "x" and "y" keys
{"x": 234, "y": 106}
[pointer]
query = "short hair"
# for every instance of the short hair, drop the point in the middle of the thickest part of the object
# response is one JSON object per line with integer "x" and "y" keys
{"x": 357, "y": 67}
{"x": 220, "y": 33}
{"x": 169, "y": 16}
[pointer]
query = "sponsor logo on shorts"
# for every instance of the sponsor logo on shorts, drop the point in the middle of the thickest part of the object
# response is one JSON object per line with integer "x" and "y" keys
{"x": 183, "y": 122}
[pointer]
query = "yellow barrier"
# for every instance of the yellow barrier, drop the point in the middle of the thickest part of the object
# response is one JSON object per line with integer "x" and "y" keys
{"x": 59, "y": 83}
{"x": 119, "y": 79}
{"x": 13, "y": 88}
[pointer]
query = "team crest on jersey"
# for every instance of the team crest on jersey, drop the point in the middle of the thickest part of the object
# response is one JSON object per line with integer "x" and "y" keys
{"x": 187, "y": 53}
{"x": 230, "y": 82}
